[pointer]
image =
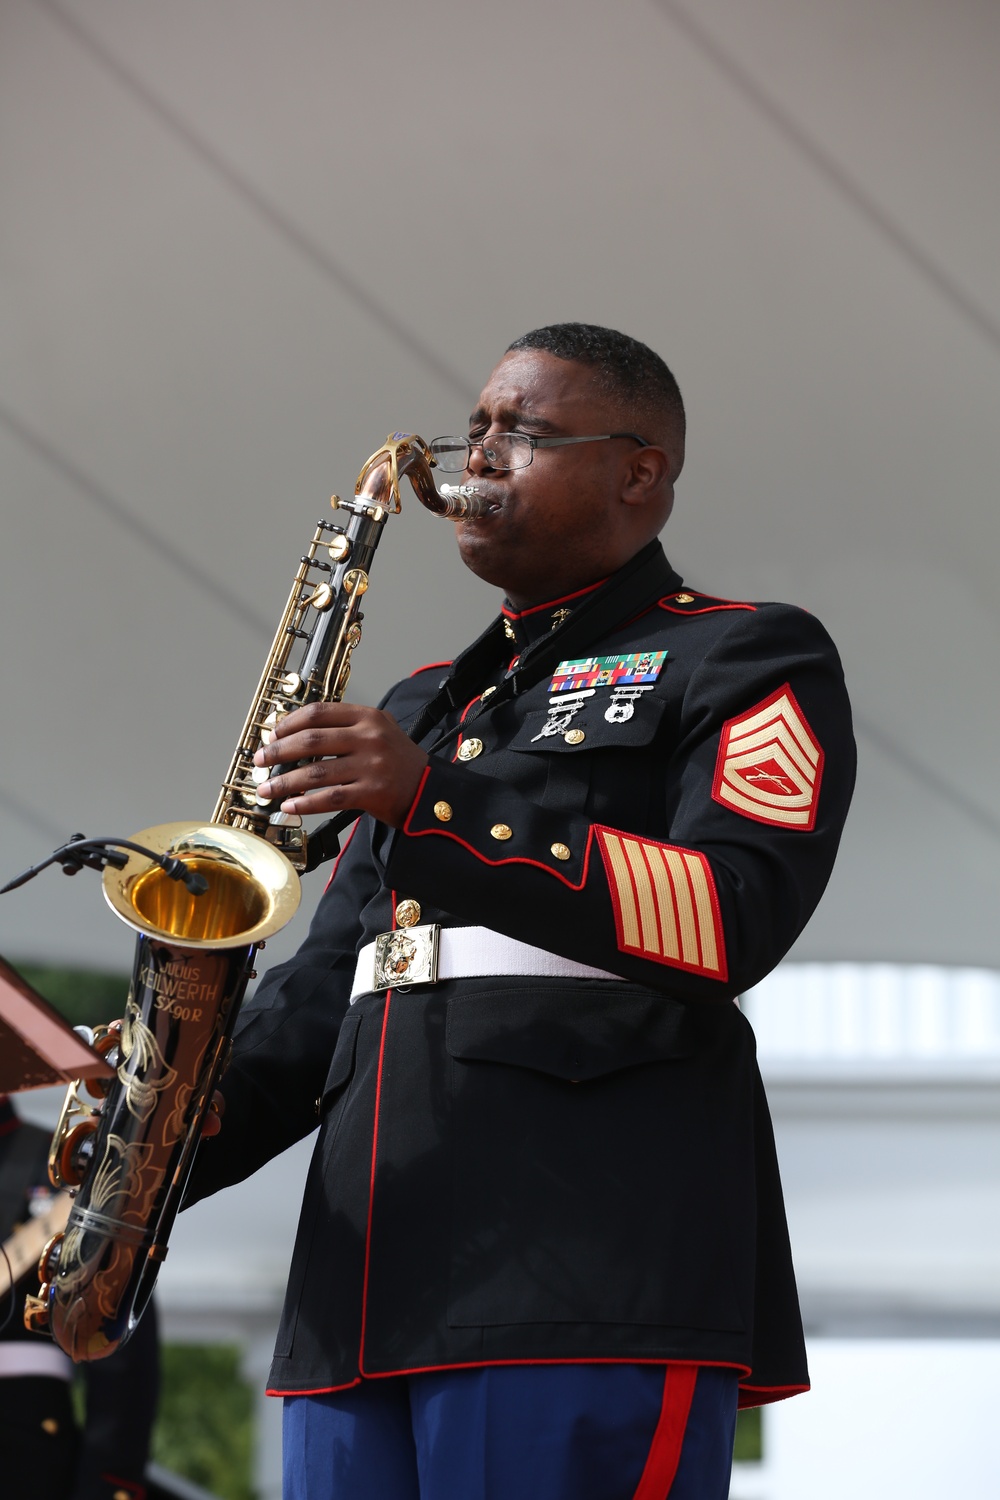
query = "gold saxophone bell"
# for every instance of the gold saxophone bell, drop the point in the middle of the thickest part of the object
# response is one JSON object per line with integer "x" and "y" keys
{"x": 252, "y": 890}
{"x": 130, "y": 1158}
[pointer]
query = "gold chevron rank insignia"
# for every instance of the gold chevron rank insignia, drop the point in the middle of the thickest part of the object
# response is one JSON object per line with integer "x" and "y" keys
{"x": 665, "y": 903}
{"x": 770, "y": 764}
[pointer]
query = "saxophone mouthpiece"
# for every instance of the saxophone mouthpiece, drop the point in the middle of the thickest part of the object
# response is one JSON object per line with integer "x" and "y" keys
{"x": 461, "y": 501}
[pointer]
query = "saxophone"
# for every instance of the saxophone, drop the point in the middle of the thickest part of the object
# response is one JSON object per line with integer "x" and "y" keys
{"x": 126, "y": 1151}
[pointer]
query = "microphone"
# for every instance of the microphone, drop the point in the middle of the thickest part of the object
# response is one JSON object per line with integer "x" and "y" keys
{"x": 98, "y": 853}
{"x": 178, "y": 870}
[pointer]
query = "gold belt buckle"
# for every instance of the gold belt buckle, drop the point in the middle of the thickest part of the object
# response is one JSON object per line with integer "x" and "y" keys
{"x": 408, "y": 956}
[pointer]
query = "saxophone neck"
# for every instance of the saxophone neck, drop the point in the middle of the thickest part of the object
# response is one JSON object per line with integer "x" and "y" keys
{"x": 401, "y": 453}
{"x": 405, "y": 453}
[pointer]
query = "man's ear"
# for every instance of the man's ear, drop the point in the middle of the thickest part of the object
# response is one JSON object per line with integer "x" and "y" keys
{"x": 648, "y": 477}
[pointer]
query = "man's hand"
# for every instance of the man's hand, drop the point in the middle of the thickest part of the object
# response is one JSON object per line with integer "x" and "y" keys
{"x": 359, "y": 757}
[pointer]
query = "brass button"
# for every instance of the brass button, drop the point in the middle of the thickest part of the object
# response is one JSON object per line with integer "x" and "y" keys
{"x": 501, "y": 831}
{"x": 443, "y": 812}
{"x": 509, "y": 631}
{"x": 486, "y": 693}
{"x": 121, "y": 1495}
{"x": 51, "y": 1426}
{"x": 683, "y": 598}
{"x": 469, "y": 749}
{"x": 408, "y": 913}
{"x": 574, "y": 736}
{"x": 560, "y": 851}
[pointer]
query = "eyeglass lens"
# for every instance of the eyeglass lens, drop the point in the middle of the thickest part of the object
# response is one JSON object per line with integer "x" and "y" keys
{"x": 506, "y": 450}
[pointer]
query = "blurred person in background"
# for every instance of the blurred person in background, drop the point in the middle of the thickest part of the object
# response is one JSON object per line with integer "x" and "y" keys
{"x": 44, "y": 1455}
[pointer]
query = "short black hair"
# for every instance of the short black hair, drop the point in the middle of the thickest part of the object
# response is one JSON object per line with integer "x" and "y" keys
{"x": 635, "y": 378}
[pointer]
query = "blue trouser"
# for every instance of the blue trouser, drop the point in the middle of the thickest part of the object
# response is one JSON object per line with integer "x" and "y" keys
{"x": 517, "y": 1432}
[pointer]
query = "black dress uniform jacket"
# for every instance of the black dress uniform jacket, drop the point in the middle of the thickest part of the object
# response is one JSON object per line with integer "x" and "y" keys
{"x": 516, "y": 1169}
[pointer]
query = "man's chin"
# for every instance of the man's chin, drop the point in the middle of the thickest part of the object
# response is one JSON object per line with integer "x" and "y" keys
{"x": 479, "y": 550}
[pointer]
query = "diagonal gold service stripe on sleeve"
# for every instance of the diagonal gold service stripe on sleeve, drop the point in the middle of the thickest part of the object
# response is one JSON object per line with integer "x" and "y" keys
{"x": 644, "y": 891}
{"x": 623, "y": 886}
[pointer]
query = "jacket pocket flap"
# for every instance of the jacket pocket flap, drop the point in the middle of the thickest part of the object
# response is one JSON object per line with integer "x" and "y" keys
{"x": 578, "y": 1030}
{"x": 545, "y": 729}
{"x": 342, "y": 1062}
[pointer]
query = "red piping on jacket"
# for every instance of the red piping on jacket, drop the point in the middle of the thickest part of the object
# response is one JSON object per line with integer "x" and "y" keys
{"x": 519, "y": 614}
{"x": 336, "y": 863}
{"x": 461, "y": 721}
{"x": 320, "y": 1390}
{"x": 482, "y": 1364}
{"x": 749, "y": 1395}
{"x": 513, "y": 859}
{"x": 708, "y": 609}
{"x": 764, "y": 1395}
{"x": 371, "y": 1188}
{"x": 416, "y": 673}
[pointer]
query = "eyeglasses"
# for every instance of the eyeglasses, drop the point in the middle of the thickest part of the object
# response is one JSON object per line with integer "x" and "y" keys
{"x": 508, "y": 450}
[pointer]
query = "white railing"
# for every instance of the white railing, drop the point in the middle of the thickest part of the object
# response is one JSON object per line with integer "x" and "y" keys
{"x": 897, "y": 1019}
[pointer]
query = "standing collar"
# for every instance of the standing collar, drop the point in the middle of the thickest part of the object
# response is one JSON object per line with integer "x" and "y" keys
{"x": 636, "y": 587}
{"x": 523, "y": 627}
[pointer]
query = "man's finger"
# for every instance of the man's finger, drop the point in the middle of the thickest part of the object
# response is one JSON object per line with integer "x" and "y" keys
{"x": 319, "y": 716}
{"x": 318, "y": 773}
{"x": 306, "y": 744}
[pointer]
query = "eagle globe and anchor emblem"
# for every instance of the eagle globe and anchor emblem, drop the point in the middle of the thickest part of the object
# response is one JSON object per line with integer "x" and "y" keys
{"x": 409, "y": 955}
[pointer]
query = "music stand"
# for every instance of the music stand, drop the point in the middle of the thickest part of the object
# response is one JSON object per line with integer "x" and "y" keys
{"x": 37, "y": 1047}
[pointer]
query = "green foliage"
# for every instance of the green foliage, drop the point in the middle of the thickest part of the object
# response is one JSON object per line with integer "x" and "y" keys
{"x": 81, "y": 996}
{"x": 204, "y": 1428}
{"x": 749, "y": 1447}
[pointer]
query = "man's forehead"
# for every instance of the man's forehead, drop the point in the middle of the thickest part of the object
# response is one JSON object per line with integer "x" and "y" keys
{"x": 532, "y": 383}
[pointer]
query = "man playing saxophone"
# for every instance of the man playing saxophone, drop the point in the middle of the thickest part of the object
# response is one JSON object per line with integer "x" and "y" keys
{"x": 542, "y": 1250}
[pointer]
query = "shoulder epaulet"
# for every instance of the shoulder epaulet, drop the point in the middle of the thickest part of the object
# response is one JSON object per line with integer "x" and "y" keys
{"x": 687, "y": 603}
{"x": 430, "y": 666}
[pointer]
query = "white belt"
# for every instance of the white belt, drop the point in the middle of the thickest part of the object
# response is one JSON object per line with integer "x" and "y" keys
{"x": 22, "y": 1358}
{"x": 465, "y": 952}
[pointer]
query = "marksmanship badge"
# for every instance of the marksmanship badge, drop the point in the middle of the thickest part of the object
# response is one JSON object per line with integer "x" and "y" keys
{"x": 622, "y": 705}
{"x": 770, "y": 764}
{"x": 560, "y": 714}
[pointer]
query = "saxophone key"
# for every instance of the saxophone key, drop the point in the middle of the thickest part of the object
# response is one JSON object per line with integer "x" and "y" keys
{"x": 321, "y": 598}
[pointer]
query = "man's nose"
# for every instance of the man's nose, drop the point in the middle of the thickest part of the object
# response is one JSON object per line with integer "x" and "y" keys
{"x": 478, "y": 462}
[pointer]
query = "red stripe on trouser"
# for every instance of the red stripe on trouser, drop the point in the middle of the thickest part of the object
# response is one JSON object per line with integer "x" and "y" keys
{"x": 668, "y": 1439}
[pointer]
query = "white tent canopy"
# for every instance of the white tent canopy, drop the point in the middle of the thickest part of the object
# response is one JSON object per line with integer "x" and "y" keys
{"x": 239, "y": 242}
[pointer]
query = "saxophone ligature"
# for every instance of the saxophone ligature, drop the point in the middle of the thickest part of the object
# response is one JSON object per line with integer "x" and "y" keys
{"x": 126, "y": 1156}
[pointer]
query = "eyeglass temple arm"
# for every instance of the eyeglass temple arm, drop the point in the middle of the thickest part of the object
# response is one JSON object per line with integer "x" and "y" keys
{"x": 600, "y": 437}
